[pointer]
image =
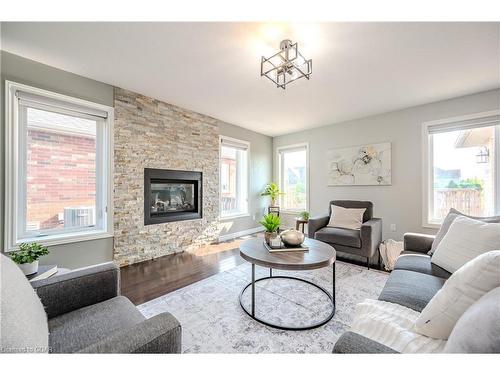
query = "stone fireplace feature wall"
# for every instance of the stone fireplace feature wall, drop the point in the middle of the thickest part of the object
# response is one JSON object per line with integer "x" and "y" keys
{"x": 153, "y": 134}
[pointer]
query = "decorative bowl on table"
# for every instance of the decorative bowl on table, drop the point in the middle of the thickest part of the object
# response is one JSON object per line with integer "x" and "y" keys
{"x": 292, "y": 238}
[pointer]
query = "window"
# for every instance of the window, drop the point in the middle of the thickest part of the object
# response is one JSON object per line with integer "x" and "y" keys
{"x": 59, "y": 174}
{"x": 462, "y": 167}
{"x": 233, "y": 177}
{"x": 293, "y": 177}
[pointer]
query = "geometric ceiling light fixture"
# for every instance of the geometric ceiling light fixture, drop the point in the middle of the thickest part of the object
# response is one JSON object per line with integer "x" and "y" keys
{"x": 286, "y": 66}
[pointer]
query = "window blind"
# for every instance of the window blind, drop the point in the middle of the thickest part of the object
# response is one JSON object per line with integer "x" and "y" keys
{"x": 30, "y": 99}
{"x": 292, "y": 149}
{"x": 234, "y": 144}
{"x": 465, "y": 124}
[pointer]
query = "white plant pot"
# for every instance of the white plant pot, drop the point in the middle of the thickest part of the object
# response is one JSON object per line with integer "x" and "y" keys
{"x": 29, "y": 268}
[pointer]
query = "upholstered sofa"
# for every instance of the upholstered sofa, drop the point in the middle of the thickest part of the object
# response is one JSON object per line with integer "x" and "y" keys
{"x": 413, "y": 283}
{"x": 349, "y": 242}
{"x": 82, "y": 312}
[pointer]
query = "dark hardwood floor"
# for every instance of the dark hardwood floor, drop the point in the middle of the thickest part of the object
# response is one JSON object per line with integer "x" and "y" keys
{"x": 142, "y": 282}
{"x": 147, "y": 280}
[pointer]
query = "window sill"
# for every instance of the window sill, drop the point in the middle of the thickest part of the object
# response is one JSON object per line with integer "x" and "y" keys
{"x": 291, "y": 212}
{"x": 235, "y": 216}
{"x": 62, "y": 239}
{"x": 431, "y": 225}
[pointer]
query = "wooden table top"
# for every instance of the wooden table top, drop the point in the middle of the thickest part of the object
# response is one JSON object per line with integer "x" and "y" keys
{"x": 319, "y": 255}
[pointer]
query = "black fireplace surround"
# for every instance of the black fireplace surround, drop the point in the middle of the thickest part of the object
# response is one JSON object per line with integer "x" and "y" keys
{"x": 171, "y": 195}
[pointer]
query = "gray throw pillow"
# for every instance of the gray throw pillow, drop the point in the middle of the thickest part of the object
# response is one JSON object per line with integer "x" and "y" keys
{"x": 452, "y": 215}
{"x": 478, "y": 329}
{"x": 23, "y": 324}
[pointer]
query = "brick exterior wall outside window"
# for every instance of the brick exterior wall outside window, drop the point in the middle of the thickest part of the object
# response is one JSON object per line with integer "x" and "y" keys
{"x": 60, "y": 174}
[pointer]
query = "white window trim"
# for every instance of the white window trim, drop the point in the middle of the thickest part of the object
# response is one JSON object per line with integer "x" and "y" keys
{"x": 12, "y": 169}
{"x": 427, "y": 175}
{"x": 280, "y": 171}
{"x": 240, "y": 214}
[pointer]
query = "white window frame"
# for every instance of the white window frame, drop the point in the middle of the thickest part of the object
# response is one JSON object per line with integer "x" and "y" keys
{"x": 247, "y": 145}
{"x": 453, "y": 123}
{"x": 14, "y": 165}
{"x": 279, "y": 153}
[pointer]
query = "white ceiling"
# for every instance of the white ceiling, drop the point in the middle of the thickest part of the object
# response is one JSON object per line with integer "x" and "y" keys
{"x": 359, "y": 69}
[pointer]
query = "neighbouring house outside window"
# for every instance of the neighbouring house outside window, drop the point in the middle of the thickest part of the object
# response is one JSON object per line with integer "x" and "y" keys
{"x": 233, "y": 177}
{"x": 462, "y": 167}
{"x": 58, "y": 168}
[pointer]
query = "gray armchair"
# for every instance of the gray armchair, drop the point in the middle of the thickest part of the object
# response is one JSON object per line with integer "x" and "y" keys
{"x": 86, "y": 314}
{"x": 363, "y": 243}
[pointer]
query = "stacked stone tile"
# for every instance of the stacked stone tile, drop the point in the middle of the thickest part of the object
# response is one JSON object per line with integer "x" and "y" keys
{"x": 152, "y": 134}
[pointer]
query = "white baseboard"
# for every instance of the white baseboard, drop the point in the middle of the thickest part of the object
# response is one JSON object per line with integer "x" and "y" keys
{"x": 246, "y": 232}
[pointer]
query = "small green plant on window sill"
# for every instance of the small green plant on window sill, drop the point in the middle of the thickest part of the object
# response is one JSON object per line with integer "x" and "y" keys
{"x": 28, "y": 253}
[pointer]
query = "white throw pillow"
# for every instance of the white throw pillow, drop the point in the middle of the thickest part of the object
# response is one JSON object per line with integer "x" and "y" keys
{"x": 476, "y": 278}
{"x": 349, "y": 218}
{"x": 478, "y": 329}
{"x": 466, "y": 239}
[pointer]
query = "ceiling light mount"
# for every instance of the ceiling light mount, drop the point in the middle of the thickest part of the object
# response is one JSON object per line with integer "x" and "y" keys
{"x": 286, "y": 66}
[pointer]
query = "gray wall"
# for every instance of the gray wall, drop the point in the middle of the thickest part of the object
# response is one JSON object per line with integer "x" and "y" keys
{"x": 18, "y": 69}
{"x": 400, "y": 203}
{"x": 260, "y": 174}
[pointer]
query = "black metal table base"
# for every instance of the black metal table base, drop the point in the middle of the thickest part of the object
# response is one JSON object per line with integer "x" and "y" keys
{"x": 251, "y": 313}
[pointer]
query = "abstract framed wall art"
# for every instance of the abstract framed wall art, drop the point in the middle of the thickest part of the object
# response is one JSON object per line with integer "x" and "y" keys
{"x": 360, "y": 165}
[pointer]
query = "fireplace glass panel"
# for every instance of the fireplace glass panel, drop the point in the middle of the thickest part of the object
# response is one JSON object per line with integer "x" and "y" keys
{"x": 170, "y": 197}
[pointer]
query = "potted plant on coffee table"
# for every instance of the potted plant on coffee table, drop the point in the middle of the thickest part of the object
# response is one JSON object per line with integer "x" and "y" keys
{"x": 27, "y": 257}
{"x": 271, "y": 223}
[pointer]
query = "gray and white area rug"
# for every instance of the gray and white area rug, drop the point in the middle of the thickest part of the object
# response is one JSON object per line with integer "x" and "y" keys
{"x": 213, "y": 322}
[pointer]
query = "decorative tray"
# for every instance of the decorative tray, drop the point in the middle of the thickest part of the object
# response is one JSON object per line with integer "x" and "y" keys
{"x": 283, "y": 248}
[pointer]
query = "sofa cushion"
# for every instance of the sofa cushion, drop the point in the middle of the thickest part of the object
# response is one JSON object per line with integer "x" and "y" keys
{"x": 339, "y": 236}
{"x": 348, "y": 218}
{"x": 23, "y": 324}
{"x": 353, "y": 343}
{"x": 368, "y": 215}
{"x": 469, "y": 283}
{"x": 443, "y": 229}
{"x": 465, "y": 240}
{"x": 452, "y": 215}
{"x": 78, "y": 329}
{"x": 478, "y": 329}
{"x": 420, "y": 263}
{"x": 411, "y": 289}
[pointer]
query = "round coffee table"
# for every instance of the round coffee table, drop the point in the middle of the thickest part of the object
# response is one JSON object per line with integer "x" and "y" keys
{"x": 319, "y": 255}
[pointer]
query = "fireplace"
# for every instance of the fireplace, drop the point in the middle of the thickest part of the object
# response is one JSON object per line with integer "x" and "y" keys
{"x": 171, "y": 195}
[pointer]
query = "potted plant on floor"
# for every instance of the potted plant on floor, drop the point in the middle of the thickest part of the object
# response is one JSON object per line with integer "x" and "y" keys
{"x": 27, "y": 257}
{"x": 271, "y": 223}
{"x": 273, "y": 191}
